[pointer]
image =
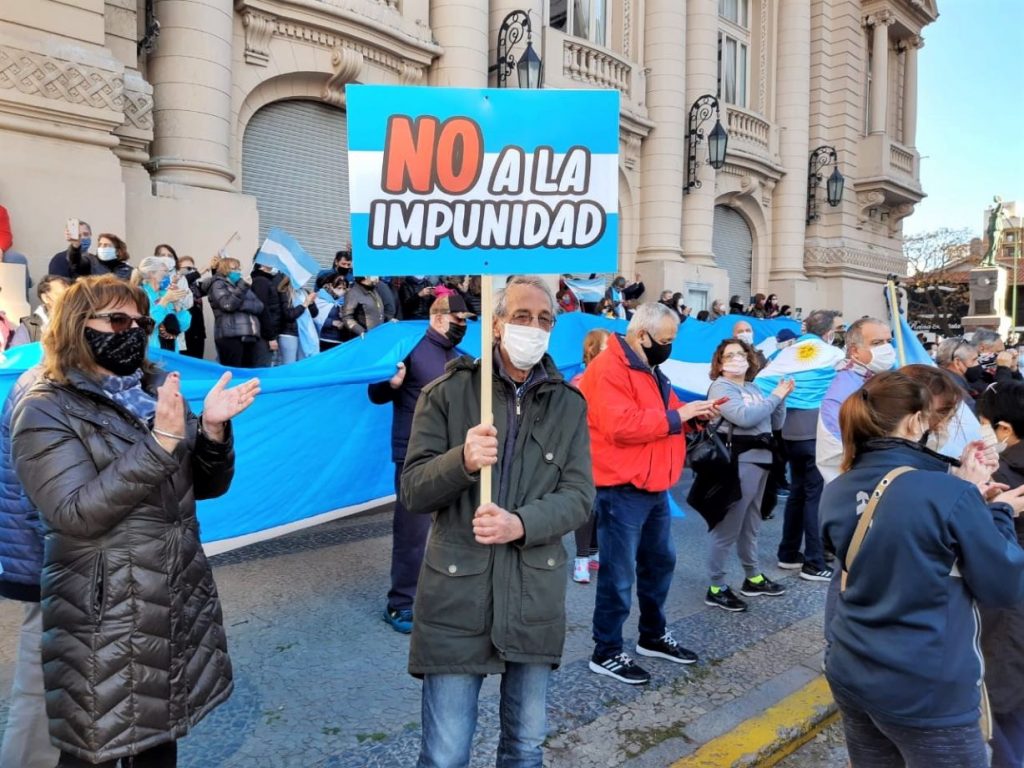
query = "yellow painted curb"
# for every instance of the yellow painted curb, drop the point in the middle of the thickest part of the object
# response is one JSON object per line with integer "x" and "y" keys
{"x": 764, "y": 740}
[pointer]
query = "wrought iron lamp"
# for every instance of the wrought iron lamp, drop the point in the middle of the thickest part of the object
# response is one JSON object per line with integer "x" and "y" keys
{"x": 821, "y": 157}
{"x": 529, "y": 67}
{"x": 718, "y": 140}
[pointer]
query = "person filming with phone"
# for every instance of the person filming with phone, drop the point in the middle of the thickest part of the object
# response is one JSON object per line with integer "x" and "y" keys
{"x": 748, "y": 420}
{"x": 134, "y": 650}
{"x": 637, "y": 435}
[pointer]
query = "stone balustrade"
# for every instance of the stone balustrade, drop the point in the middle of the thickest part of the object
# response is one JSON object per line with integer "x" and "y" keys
{"x": 901, "y": 159}
{"x": 587, "y": 63}
{"x": 747, "y": 128}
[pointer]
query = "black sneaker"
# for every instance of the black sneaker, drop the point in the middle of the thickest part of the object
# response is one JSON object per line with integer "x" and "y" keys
{"x": 666, "y": 647}
{"x": 724, "y": 598}
{"x": 621, "y": 667}
{"x": 810, "y": 573}
{"x": 763, "y": 587}
{"x": 792, "y": 565}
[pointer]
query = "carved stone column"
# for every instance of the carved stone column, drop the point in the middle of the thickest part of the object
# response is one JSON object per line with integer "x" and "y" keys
{"x": 910, "y": 92}
{"x": 190, "y": 71}
{"x": 879, "y": 69}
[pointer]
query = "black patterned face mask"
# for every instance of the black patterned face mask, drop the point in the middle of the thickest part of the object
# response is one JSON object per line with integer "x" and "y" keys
{"x": 120, "y": 353}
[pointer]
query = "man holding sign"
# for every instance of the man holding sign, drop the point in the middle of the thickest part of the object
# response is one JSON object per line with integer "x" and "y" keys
{"x": 491, "y": 597}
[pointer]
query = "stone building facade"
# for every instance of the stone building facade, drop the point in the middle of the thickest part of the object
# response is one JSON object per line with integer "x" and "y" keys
{"x": 204, "y": 122}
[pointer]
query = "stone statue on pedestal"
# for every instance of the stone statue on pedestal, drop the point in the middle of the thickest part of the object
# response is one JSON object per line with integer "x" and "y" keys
{"x": 993, "y": 232}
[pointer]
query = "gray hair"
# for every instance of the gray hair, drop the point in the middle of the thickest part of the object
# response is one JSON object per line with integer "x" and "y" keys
{"x": 151, "y": 264}
{"x": 985, "y": 336}
{"x": 649, "y": 317}
{"x": 821, "y": 321}
{"x": 855, "y": 333}
{"x": 957, "y": 348}
{"x": 501, "y": 299}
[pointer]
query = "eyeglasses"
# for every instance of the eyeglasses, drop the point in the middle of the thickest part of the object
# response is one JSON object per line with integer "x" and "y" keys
{"x": 735, "y": 356}
{"x": 121, "y": 321}
{"x": 522, "y": 317}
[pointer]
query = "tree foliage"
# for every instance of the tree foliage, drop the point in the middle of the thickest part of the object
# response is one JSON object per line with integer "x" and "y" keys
{"x": 937, "y": 286}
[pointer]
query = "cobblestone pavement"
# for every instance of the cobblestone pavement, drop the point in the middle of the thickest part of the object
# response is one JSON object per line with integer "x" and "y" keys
{"x": 320, "y": 679}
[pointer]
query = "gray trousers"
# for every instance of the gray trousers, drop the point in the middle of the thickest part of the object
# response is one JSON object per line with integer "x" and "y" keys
{"x": 27, "y": 738}
{"x": 740, "y": 526}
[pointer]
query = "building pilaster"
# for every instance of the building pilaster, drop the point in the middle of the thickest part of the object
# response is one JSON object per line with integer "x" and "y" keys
{"x": 460, "y": 28}
{"x": 793, "y": 106}
{"x": 190, "y": 71}
{"x": 701, "y": 79}
{"x": 664, "y": 156}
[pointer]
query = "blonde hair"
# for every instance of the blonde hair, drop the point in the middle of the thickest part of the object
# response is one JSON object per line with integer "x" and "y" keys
{"x": 227, "y": 265}
{"x": 593, "y": 342}
{"x": 64, "y": 346}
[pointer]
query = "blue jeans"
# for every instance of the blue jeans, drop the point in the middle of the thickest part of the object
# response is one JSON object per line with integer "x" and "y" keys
{"x": 450, "y": 711}
{"x": 801, "y": 521}
{"x": 872, "y": 744}
{"x": 634, "y": 536}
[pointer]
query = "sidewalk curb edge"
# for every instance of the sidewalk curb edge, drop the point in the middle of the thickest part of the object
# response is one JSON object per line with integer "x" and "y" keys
{"x": 764, "y": 740}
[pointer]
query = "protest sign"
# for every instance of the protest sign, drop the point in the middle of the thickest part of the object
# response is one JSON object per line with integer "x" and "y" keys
{"x": 461, "y": 181}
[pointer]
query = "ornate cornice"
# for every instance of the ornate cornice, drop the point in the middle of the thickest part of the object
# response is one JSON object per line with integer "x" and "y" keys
{"x": 374, "y": 30}
{"x": 820, "y": 260}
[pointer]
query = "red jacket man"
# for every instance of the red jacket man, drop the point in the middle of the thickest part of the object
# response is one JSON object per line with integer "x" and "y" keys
{"x": 637, "y": 427}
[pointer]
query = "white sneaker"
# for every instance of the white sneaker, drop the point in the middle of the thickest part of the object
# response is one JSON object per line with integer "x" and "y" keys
{"x": 581, "y": 570}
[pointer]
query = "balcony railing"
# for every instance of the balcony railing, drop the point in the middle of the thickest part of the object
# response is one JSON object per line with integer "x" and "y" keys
{"x": 901, "y": 159}
{"x": 746, "y": 128}
{"x": 589, "y": 64}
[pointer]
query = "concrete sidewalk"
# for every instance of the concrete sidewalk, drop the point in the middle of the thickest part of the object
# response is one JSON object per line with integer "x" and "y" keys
{"x": 321, "y": 680}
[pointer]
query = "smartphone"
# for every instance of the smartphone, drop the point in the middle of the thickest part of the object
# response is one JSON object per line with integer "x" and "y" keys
{"x": 72, "y": 229}
{"x": 721, "y": 401}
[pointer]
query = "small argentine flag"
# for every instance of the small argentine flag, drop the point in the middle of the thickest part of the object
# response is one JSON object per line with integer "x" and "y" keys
{"x": 282, "y": 251}
{"x": 811, "y": 363}
{"x": 587, "y": 289}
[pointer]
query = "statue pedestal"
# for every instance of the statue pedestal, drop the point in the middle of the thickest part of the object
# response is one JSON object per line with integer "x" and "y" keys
{"x": 988, "y": 288}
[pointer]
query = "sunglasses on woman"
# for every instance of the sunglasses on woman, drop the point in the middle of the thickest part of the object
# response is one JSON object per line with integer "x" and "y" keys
{"x": 121, "y": 321}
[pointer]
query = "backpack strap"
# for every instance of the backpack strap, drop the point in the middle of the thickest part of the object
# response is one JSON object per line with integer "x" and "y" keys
{"x": 865, "y": 521}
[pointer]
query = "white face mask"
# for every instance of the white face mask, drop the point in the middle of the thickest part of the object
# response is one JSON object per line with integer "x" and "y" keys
{"x": 883, "y": 358}
{"x": 524, "y": 344}
{"x": 106, "y": 253}
{"x": 736, "y": 367}
{"x": 747, "y": 336}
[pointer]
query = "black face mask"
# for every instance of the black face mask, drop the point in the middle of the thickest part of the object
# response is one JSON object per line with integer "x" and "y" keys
{"x": 455, "y": 333}
{"x": 120, "y": 353}
{"x": 657, "y": 354}
{"x": 975, "y": 373}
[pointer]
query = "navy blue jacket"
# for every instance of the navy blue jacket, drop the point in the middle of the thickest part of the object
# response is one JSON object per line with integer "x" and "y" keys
{"x": 425, "y": 363}
{"x": 21, "y": 530}
{"x": 906, "y": 631}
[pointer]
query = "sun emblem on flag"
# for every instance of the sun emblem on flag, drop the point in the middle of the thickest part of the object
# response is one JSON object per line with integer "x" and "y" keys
{"x": 806, "y": 352}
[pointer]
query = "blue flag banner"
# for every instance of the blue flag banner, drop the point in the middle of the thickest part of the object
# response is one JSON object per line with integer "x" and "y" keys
{"x": 590, "y": 289}
{"x": 282, "y": 251}
{"x": 482, "y": 181}
{"x": 810, "y": 363}
{"x": 313, "y": 448}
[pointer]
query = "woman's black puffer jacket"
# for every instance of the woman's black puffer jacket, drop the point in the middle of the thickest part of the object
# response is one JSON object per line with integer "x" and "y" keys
{"x": 134, "y": 650}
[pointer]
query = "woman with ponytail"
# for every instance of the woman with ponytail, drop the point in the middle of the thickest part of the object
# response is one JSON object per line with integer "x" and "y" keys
{"x": 904, "y": 663}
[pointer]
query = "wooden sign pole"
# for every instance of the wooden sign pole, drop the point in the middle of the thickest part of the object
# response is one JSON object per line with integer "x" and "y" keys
{"x": 486, "y": 372}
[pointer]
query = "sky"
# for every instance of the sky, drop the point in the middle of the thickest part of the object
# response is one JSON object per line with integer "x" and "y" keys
{"x": 970, "y": 128}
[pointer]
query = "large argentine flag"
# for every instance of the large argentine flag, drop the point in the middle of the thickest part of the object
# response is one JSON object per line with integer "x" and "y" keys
{"x": 590, "y": 289}
{"x": 483, "y": 181}
{"x": 811, "y": 363}
{"x": 283, "y": 252}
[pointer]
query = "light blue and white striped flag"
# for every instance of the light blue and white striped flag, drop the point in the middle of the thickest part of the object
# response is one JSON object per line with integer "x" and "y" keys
{"x": 282, "y": 251}
{"x": 811, "y": 363}
{"x": 587, "y": 289}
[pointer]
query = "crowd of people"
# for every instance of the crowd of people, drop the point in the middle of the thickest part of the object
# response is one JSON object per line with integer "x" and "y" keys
{"x": 123, "y": 648}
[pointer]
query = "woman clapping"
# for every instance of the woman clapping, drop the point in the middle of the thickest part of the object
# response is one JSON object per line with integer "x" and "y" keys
{"x": 134, "y": 649}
